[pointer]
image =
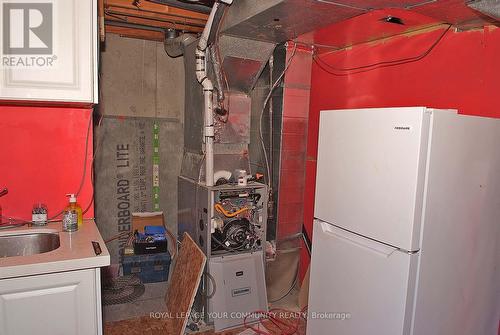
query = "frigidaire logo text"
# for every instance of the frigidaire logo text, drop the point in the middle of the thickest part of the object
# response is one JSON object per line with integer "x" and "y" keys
{"x": 27, "y": 34}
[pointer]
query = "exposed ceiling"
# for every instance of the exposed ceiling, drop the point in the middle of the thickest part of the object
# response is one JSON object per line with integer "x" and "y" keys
{"x": 202, "y": 6}
{"x": 342, "y": 23}
{"x": 348, "y": 22}
{"x": 147, "y": 20}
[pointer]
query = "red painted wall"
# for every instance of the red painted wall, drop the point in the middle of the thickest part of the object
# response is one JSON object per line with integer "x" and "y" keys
{"x": 42, "y": 151}
{"x": 462, "y": 72}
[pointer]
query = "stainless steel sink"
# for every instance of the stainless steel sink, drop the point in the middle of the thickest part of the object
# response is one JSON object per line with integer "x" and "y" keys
{"x": 25, "y": 243}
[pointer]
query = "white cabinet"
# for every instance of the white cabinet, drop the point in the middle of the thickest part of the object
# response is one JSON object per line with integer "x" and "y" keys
{"x": 49, "y": 51}
{"x": 52, "y": 304}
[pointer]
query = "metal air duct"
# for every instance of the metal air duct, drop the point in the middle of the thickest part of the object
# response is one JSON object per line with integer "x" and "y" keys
{"x": 490, "y": 8}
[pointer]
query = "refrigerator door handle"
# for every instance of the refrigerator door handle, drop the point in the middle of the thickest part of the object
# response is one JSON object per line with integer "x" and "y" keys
{"x": 379, "y": 248}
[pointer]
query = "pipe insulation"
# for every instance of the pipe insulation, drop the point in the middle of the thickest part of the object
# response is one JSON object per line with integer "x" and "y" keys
{"x": 218, "y": 73}
{"x": 208, "y": 89}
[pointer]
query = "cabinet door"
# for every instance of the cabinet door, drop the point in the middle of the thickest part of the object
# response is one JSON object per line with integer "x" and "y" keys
{"x": 49, "y": 51}
{"x": 53, "y": 304}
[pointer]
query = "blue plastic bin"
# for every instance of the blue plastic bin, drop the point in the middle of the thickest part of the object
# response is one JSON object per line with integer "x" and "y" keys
{"x": 152, "y": 268}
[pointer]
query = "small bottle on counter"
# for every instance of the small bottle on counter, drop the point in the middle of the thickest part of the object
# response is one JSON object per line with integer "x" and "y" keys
{"x": 72, "y": 215}
{"x": 39, "y": 215}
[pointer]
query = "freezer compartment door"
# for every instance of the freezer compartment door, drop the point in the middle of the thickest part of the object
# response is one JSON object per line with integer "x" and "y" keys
{"x": 358, "y": 286}
{"x": 371, "y": 170}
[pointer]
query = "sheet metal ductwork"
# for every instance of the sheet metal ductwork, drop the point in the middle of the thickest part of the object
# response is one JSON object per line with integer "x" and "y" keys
{"x": 276, "y": 21}
{"x": 490, "y": 8}
{"x": 175, "y": 45}
{"x": 231, "y": 137}
{"x": 243, "y": 61}
{"x": 252, "y": 28}
{"x": 279, "y": 20}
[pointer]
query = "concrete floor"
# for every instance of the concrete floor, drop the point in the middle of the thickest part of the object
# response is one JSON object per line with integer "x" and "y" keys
{"x": 291, "y": 302}
{"x": 153, "y": 300}
{"x": 279, "y": 275}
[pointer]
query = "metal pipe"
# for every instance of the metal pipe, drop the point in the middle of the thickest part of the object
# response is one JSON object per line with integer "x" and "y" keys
{"x": 271, "y": 121}
{"x": 133, "y": 25}
{"x": 200, "y": 8}
{"x": 174, "y": 47}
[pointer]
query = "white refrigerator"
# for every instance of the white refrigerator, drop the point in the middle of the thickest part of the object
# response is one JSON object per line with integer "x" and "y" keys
{"x": 406, "y": 237}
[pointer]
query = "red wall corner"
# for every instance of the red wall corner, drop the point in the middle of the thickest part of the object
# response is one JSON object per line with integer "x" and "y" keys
{"x": 42, "y": 151}
{"x": 461, "y": 72}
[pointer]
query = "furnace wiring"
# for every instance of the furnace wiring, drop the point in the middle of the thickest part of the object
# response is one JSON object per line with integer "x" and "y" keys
{"x": 336, "y": 71}
{"x": 296, "y": 279}
{"x": 16, "y": 222}
{"x": 84, "y": 170}
{"x": 266, "y": 101}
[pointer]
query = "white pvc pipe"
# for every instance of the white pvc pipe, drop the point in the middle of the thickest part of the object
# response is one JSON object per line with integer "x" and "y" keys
{"x": 208, "y": 90}
{"x": 209, "y": 137}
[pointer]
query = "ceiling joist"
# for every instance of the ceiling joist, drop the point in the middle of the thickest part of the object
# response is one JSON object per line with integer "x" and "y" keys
{"x": 142, "y": 34}
{"x": 146, "y": 20}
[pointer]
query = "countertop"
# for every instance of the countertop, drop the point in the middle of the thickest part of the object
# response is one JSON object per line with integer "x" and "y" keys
{"x": 74, "y": 253}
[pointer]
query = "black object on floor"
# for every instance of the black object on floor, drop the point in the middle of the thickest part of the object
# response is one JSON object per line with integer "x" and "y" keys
{"x": 122, "y": 290}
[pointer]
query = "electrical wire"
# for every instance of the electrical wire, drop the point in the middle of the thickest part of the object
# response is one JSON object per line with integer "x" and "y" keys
{"x": 82, "y": 181}
{"x": 214, "y": 286}
{"x": 294, "y": 283}
{"x": 271, "y": 90}
{"x": 92, "y": 176}
{"x": 369, "y": 67}
{"x": 227, "y": 248}
{"x": 174, "y": 241}
{"x": 93, "y": 191}
{"x": 12, "y": 223}
{"x": 117, "y": 236}
{"x": 84, "y": 172}
{"x": 222, "y": 72}
{"x": 221, "y": 209}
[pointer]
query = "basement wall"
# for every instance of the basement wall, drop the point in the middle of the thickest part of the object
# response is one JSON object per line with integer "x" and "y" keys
{"x": 461, "y": 73}
{"x": 141, "y": 86}
{"x": 43, "y": 156}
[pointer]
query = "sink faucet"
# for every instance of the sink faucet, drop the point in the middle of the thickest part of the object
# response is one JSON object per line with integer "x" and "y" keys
{"x": 10, "y": 221}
